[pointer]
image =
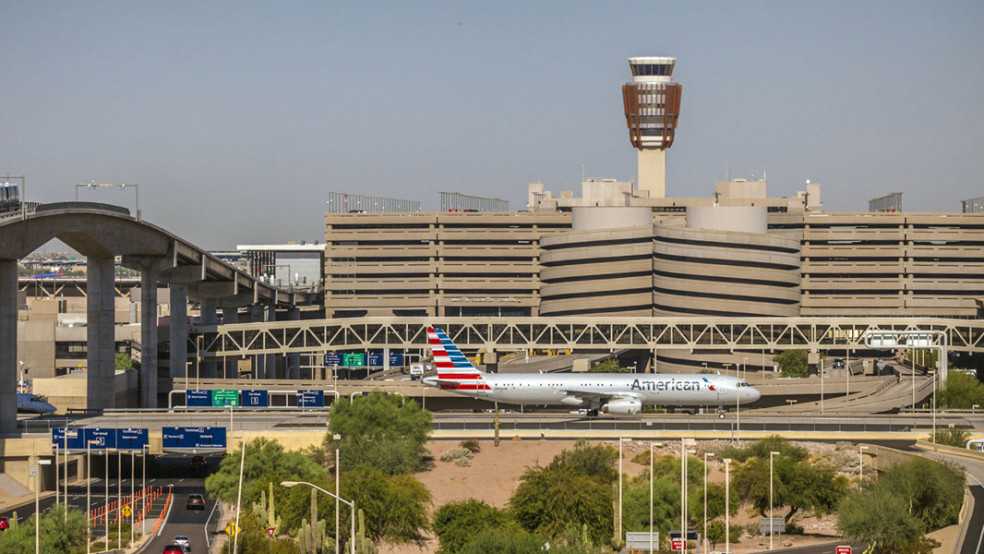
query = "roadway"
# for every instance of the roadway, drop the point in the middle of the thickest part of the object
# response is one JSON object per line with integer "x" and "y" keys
{"x": 750, "y": 420}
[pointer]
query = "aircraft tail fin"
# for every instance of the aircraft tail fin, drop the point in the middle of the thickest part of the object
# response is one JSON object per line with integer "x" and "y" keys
{"x": 453, "y": 368}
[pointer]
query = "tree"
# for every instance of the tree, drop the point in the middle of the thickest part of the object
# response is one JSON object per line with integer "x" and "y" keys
{"x": 504, "y": 542}
{"x": 952, "y": 436}
{"x": 379, "y": 430}
{"x": 253, "y": 537}
{"x": 797, "y": 485}
{"x": 266, "y": 462}
{"x": 907, "y": 501}
{"x": 792, "y": 363}
{"x": 762, "y": 447}
{"x": 961, "y": 392}
{"x": 610, "y": 365}
{"x": 57, "y": 535}
{"x": 395, "y": 506}
{"x": 123, "y": 362}
{"x": 574, "y": 487}
{"x": 456, "y": 523}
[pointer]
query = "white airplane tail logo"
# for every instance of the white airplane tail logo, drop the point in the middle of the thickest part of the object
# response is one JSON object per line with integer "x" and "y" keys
{"x": 454, "y": 371}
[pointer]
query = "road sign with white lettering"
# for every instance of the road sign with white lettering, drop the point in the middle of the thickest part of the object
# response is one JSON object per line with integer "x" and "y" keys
{"x": 256, "y": 398}
{"x": 193, "y": 438}
{"x": 198, "y": 398}
{"x": 310, "y": 399}
{"x": 843, "y": 550}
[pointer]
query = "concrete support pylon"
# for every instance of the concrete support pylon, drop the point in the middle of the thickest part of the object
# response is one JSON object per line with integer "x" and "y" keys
{"x": 8, "y": 346}
{"x": 148, "y": 339}
{"x": 179, "y": 330}
{"x": 209, "y": 316}
{"x": 100, "y": 333}
{"x": 231, "y": 315}
{"x": 294, "y": 359}
{"x": 271, "y": 359}
{"x": 258, "y": 314}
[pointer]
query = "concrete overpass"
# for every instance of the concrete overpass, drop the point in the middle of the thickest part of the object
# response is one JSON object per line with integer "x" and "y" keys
{"x": 101, "y": 232}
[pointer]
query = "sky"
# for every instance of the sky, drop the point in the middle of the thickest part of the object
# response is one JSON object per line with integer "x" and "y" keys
{"x": 237, "y": 119}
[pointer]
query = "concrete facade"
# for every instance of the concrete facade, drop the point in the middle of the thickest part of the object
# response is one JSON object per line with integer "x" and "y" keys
{"x": 464, "y": 263}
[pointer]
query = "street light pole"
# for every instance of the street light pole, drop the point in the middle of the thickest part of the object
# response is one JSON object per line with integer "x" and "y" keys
{"x": 727, "y": 505}
{"x": 289, "y": 484}
{"x": 618, "y": 525}
{"x": 650, "y": 496}
{"x": 338, "y": 474}
{"x": 772, "y": 480}
{"x": 683, "y": 492}
{"x": 708, "y": 544}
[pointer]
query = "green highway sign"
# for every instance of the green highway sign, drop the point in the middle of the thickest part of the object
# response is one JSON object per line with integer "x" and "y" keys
{"x": 225, "y": 397}
{"x": 354, "y": 359}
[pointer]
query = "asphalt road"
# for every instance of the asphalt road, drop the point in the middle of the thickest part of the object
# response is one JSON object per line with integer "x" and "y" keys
{"x": 182, "y": 521}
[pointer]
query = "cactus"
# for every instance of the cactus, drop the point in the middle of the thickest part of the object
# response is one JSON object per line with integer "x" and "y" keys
{"x": 265, "y": 509}
{"x": 312, "y": 537}
{"x": 13, "y": 519}
{"x": 363, "y": 545}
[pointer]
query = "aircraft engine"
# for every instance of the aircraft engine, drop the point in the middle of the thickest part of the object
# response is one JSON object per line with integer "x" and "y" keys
{"x": 629, "y": 406}
{"x": 572, "y": 401}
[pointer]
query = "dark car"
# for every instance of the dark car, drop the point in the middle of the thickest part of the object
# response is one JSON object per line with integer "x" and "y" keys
{"x": 4, "y": 523}
{"x": 838, "y": 363}
{"x": 198, "y": 465}
{"x": 196, "y": 502}
{"x": 173, "y": 549}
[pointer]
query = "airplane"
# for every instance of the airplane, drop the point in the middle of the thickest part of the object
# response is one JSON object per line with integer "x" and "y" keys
{"x": 32, "y": 403}
{"x": 613, "y": 393}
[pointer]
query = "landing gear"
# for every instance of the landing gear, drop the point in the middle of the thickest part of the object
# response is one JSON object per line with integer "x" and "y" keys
{"x": 593, "y": 413}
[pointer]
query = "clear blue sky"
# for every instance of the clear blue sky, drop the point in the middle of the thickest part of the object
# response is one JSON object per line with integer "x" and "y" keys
{"x": 238, "y": 118}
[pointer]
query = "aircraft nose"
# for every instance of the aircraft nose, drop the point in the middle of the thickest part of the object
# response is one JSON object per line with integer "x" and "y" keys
{"x": 754, "y": 394}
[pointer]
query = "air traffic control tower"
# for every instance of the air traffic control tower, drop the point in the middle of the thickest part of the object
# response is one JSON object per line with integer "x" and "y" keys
{"x": 652, "y": 106}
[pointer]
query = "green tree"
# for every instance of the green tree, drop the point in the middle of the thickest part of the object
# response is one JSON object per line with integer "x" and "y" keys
{"x": 266, "y": 462}
{"x": 395, "y": 506}
{"x": 610, "y": 365}
{"x": 932, "y": 491}
{"x": 456, "y": 523}
{"x": 961, "y": 392}
{"x": 715, "y": 532}
{"x": 792, "y": 363}
{"x": 58, "y": 534}
{"x": 761, "y": 449}
{"x": 574, "y": 487}
{"x": 379, "y": 430}
{"x": 797, "y": 485}
{"x": 123, "y": 362}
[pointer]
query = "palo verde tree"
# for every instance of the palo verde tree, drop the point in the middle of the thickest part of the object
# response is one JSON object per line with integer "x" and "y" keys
{"x": 457, "y": 523}
{"x": 962, "y": 392}
{"x": 908, "y": 500}
{"x": 797, "y": 482}
{"x": 575, "y": 487}
{"x": 383, "y": 431}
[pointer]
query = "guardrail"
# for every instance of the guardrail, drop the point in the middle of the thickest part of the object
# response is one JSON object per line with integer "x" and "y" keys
{"x": 99, "y": 514}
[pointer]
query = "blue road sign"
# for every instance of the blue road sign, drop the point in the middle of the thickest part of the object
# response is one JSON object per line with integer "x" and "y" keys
{"x": 193, "y": 437}
{"x": 332, "y": 358}
{"x": 375, "y": 359}
{"x": 106, "y": 437}
{"x": 310, "y": 399}
{"x": 198, "y": 398}
{"x": 256, "y": 398}
{"x": 131, "y": 439}
{"x": 75, "y": 440}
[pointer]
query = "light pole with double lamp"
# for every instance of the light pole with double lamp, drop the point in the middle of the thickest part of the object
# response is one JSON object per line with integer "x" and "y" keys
{"x": 289, "y": 484}
{"x": 772, "y": 480}
{"x": 338, "y": 475}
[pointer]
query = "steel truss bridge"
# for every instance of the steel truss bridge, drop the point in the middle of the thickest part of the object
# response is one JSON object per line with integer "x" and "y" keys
{"x": 576, "y": 334}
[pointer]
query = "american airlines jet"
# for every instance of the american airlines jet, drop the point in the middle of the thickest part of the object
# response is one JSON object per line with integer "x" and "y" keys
{"x": 614, "y": 393}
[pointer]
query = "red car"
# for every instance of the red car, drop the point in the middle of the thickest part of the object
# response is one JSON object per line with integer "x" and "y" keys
{"x": 173, "y": 549}
{"x": 4, "y": 523}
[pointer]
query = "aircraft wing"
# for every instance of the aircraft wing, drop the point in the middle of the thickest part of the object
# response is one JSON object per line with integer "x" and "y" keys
{"x": 596, "y": 397}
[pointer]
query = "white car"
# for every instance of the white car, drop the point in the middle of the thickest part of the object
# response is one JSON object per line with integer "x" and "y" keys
{"x": 183, "y": 541}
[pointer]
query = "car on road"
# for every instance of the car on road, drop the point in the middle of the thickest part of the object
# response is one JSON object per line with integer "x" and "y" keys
{"x": 198, "y": 465}
{"x": 4, "y": 523}
{"x": 183, "y": 541}
{"x": 838, "y": 363}
{"x": 173, "y": 549}
{"x": 196, "y": 502}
